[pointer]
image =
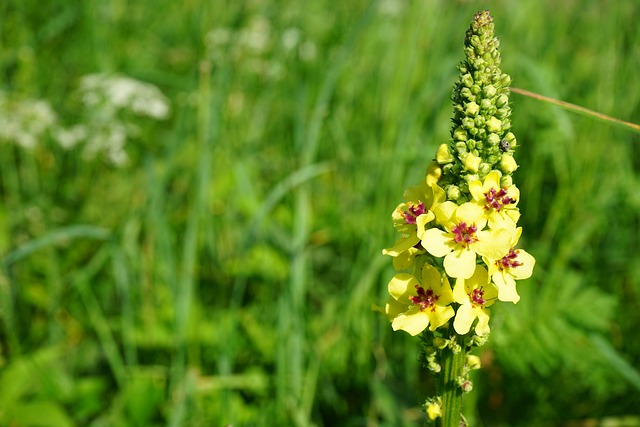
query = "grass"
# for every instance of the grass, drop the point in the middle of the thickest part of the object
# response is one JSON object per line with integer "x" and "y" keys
{"x": 226, "y": 274}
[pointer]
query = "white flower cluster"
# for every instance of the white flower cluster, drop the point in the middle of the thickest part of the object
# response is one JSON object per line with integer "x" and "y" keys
{"x": 109, "y": 103}
{"x": 24, "y": 122}
{"x": 255, "y": 44}
{"x": 113, "y": 93}
{"x": 108, "y": 100}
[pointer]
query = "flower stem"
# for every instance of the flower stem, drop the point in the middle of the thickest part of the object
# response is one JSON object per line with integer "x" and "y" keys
{"x": 450, "y": 390}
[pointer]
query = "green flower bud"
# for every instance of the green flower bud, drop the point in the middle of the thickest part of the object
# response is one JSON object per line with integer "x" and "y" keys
{"x": 489, "y": 91}
{"x": 466, "y": 80}
{"x": 471, "y": 144}
{"x": 459, "y": 134}
{"x": 487, "y": 105}
{"x": 511, "y": 139}
{"x": 502, "y": 101}
{"x": 472, "y": 109}
{"x": 461, "y": 148}
{"x": 468, "y": 123}
{"x": 440, "y": 342}
{"x": 493, "y": 139}
{"x": 484, "y": 169}
{"x": 473, "y": 362}
{"x": 453, "y": 192}
{"x": 506, "y": 181}
{"x": 465, "y": 93}
{"x": 494, "y": 124}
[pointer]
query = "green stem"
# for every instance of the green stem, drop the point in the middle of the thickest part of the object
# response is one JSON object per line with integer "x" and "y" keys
{"x": 450, "y": 390}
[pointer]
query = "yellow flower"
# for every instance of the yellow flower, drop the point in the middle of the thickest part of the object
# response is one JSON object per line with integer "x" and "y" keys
{"x": 474, "y": 295}
{"x": 515, "y": 265}
{"x": 499, "y": 203}
{"x": 414, "y": 304}
{"x": 463, "y": 237}
{"x": 411, "y": 217}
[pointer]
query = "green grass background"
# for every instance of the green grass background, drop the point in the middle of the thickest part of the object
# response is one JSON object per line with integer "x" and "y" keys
{"x": 226, "y": 275}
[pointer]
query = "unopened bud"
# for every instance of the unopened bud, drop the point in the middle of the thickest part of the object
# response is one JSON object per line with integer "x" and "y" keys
{"x": 443, "y": 155}
{"x": 472, "y": 162}
{"x": 502, "y": 101}
{"x": 459, "y": 134}
{"x": 494, "y": 124}
{"x": 493, "y": 139}
{"x": 484, "y": 169}
{"x": 489, "y": 91}
{"x": 508, "y": 163}
{"x": 453, "y": 192}
{"x": 473, "y": 362}
{"x": 472, "y": 109}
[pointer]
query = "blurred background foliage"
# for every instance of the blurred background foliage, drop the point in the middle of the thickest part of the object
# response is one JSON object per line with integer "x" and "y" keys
{"x": 216, "y": 264}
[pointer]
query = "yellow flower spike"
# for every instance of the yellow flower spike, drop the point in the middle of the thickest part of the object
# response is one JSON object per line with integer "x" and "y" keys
{"x": 416, "y": 305}
{"x": 498, "y": 202}
{"x": 474, "y": 295}
{"x": 463, "y": 237}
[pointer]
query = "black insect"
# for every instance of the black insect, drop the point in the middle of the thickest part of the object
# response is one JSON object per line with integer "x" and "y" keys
{"x": 504, "y": 145}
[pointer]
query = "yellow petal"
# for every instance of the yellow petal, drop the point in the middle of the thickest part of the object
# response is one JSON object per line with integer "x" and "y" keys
{"x": 460, "y": 263}
{"x": 402, "y": 286}
{"x": 464, "y": 319}
{"x": 412, "y": 321}
{"x": 439, "y": 316}
{"x": 436, "y": 242}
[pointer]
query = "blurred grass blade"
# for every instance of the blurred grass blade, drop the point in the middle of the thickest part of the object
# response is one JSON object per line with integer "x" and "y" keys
{"x": 578, "y": 109}
{"x": 617, "y": 362}
{"x": 58, "y": 236}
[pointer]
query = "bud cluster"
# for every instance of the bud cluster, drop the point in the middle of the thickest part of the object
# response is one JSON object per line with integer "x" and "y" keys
{"x": 456, "y": 255}
{"x": 481, "y": 137}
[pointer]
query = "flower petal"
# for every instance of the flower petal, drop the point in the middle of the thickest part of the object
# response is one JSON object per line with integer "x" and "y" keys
{"x": 460, "y": 263}
{"x": 464, "y": 318}
{"x": 412, "y": 321}
{"x": 401, "y": 245}
{"x": 482, "y": 328}
{"x": 506, "y": 287}
{"x": 439, "y": 316}
{"x": 493, "y": 244}
{"x": 436, "y": 242}
{"x": 402, "y": 286}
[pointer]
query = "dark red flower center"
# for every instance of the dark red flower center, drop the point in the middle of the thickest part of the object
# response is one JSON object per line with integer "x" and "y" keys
{"x": 477, "y": 297}
{"x": 510, "y": 260}
{"x": 464, "y": 234}
{"x": 497, "y": 199}
{"x": 413, "y": 211}
{"x": 425, "y": 298}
